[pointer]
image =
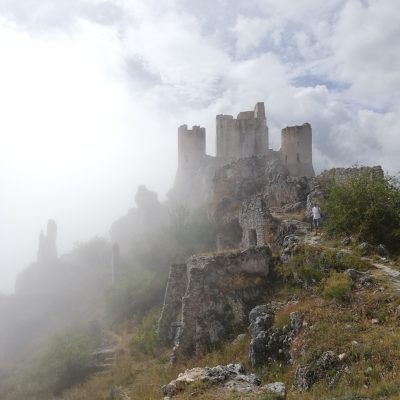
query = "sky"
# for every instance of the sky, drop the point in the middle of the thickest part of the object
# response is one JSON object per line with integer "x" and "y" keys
{"x": 92, "y": 93}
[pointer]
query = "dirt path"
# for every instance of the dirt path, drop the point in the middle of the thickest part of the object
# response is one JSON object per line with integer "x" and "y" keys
{"x": 392, "y": 274}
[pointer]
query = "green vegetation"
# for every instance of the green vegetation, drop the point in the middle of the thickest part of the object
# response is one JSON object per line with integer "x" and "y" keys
{"x": 146, "y": 342}
{"x": 365, "y": 206}
{"x": 312, "y": 263}
{"x": 66, "y": 362}
{"x": 140, "y": 282}
{"x": 337, "y": 286}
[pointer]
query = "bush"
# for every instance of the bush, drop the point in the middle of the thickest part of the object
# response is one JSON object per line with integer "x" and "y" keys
{"x": 66, "y": 362}
{"x": 366, "y": 206}
{"x": 134, "y": 294}
{"x": 337, "y": 286}
{"x": 146, "y": 341}
{"x": 311, "y": 264}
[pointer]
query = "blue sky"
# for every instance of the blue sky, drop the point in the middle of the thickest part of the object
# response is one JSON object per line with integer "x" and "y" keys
{"x": 92, "y": 93}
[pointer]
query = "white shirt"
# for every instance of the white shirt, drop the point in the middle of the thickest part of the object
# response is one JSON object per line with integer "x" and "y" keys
{"x": 316, "y": 212}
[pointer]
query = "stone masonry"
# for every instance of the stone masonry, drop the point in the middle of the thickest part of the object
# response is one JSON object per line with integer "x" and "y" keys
{"x": 241, "y": 138}
{"x": 253, "y": 218}
{"x": 210, "y": 296}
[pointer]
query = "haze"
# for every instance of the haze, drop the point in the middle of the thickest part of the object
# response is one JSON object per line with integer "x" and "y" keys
{"x": 92, "y": 93}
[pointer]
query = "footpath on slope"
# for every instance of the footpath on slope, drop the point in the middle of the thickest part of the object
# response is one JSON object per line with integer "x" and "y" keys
{"x": 384, "y": 269}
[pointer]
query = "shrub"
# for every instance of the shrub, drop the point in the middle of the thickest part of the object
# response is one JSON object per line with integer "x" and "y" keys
{"x": 134, "y": 294}
{"x": 337, "y": 286}
{"x": 66, "y": 362}
{"x": 146, "y": 341}
{"x": 311, "y": 264}
{"x": 366, "y": 206}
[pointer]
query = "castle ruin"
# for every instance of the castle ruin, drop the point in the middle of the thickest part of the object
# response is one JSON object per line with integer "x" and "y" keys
{"x": 245, "y": 137}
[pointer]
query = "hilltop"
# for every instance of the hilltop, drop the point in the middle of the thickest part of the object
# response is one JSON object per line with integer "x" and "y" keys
{"x": 226, "y": 274}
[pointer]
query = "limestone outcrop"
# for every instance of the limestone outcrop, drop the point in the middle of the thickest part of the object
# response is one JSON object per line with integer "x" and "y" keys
{"x": 210, "y": 296}
{"x": 231, "y": 377}
{"x": 146, "y": 218}
{"x": 240, "y": 180}
{"x": 271, "y": 343}
{"x": 47, "y": 251}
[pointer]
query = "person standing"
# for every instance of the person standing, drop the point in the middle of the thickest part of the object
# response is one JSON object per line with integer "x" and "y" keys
{"x": 316, "y": 212}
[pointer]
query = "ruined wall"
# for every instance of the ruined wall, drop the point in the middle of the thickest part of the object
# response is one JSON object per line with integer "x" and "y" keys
{"x": 191, "y": 146}
{"x": 296, "y": 150}
{"x": 253, "y": 217}
{"x": 343, "y": 175}
{"x": 219, "y": 293}
{"x": 245, "y": 136}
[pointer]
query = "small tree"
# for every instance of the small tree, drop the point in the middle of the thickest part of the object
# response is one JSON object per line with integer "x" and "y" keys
{"x": 366, "y": 206}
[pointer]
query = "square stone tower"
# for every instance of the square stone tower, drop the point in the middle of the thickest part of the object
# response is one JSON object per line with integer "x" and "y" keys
{"x": 296, "y": 150}
{"x": 191, "y": 146}
{"x": 243, "y": 137}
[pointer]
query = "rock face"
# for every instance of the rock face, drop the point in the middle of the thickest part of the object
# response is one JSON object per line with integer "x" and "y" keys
{"x": 242, "y": 179}
{"x": 210, "y": 296}
{"x": 268, "y": 343}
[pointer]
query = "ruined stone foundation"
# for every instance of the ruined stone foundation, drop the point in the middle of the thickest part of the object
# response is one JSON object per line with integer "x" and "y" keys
{"x": 210, "y": 296}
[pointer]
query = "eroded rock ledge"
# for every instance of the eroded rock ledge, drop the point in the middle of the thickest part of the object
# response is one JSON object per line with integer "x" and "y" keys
{"x": 210, "y": 296}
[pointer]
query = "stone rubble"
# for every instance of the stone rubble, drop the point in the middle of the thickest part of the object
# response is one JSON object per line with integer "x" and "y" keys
{"x": 232, "y": 377}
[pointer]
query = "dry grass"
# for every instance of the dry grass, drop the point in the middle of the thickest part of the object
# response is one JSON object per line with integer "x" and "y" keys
{"x": 330, "y": 325}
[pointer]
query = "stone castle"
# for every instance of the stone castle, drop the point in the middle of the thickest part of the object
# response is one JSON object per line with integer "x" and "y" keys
{"x": 209, "y": 296}
{"x": 244, "y": 137}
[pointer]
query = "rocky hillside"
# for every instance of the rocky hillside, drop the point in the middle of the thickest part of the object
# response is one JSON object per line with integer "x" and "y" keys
{"x": 239, "y": 298}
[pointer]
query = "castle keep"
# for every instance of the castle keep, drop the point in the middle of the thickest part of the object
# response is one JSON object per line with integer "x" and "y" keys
{"x": 247, "y": 136}
{"x": 243, "y": 137}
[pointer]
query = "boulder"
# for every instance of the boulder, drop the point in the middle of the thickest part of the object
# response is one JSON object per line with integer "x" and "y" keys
{"x": 231, "y": 377}
{"x": 276, "y": 390}
{"x": 382, "y": 251}
{"x": 289, "y": 247}
{"x": 347, "y": 241}
{"x": 365, "y": 248}
{"x": 306, "y": 376}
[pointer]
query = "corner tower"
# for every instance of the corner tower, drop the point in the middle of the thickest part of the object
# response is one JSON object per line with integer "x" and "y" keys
{"x": 243, "y": 137}
{"x": 191, "y": 146}
{"x": 296, "y": 150}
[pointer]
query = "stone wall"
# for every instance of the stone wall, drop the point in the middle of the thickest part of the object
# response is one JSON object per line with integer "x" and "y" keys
{"x": 296, "y": 150}
{"x": 191, "y": 146}
{"x": 342, "y": 175}
{"x": 253, "y": 218}
{"x": 209, "y": 297}
{"x": 243, "y": 137}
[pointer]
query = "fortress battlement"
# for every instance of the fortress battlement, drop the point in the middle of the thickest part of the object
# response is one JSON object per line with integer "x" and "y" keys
{"x": 247, "y": 136}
